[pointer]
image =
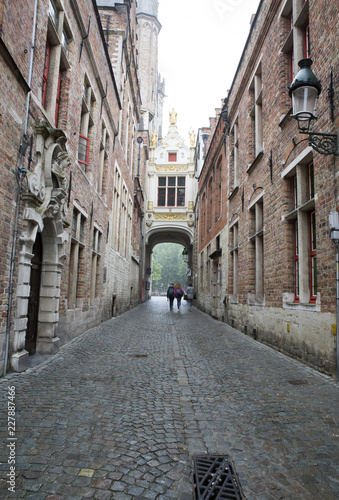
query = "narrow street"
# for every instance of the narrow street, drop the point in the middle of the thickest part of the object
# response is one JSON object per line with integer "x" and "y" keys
{"x": 119, "y": 412}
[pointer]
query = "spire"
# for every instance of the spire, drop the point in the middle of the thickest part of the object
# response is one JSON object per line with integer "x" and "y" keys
{"x": 148, "y": 7}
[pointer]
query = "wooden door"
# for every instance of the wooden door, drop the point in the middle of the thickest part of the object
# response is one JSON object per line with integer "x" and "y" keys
{"x": 33, "y": 302}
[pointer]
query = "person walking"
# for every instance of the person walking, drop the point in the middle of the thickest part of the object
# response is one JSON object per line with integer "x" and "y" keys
{"x": 179, "y": 293}
{"x": 190, "y": 295}
{"x": 170, "y": 295}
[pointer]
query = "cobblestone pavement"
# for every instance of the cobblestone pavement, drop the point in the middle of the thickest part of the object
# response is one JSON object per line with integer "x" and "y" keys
{"x": 120, "y": 411}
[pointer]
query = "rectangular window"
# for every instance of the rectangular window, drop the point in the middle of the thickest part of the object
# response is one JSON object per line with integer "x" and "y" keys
{"x": 296, "y": 263}
{"x": 45, "y": 74}
{"x": 171, "y": 197}
{"x": 57, "y": 105}
{"x": 313, "y": 257}
{"x": 171, "y": 191}
{"x": 53, "y": 14}
{"x": 234, "y": 261}
{"x": 86, "y": 124}
{"x": 257, "y": 239}
{"x": 161, "y": 197}
{"x": 256, "y": 113}
{"x": 83, "y": 150}
{"x": 95, "y": 263}
{"x": 172, "y": 157}
{"x": 76, "y": 286}
{"x": 303, "y": 228}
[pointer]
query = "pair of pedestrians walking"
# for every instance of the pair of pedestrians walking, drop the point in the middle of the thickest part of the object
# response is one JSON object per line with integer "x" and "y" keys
{"x": 177, "y": 292}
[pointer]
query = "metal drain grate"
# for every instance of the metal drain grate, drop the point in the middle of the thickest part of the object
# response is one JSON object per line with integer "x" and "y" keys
{"x": 215, "y": 478}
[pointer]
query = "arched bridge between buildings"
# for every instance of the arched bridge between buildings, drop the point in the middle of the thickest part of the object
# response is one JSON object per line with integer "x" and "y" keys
{"x": 168, "y": 233}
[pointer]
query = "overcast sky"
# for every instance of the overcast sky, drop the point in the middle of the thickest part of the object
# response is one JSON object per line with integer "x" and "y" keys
{"x": 200, "y": 45}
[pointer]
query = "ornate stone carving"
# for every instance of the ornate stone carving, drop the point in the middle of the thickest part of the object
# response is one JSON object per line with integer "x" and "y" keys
{"x": 170, "y": 217}
{"x": 171, "y": 168}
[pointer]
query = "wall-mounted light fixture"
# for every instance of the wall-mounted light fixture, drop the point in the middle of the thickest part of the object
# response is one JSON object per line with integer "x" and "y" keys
{"x": 185, "y": 255}
{"x": 305, "y": 90}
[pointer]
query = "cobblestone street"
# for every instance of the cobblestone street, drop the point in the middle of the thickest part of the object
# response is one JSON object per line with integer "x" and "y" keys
{"x": 120, "y": 411}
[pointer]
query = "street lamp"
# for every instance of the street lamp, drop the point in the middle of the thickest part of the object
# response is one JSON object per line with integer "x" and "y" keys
{"x": 185, "y": 255}
{"x": 305, "y": 90}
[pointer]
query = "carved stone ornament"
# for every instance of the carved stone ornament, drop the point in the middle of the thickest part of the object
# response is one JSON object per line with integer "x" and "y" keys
{"x": 171, "y": 168}
{"x": 48, "y": 182}
{"x": 170, "y": 217}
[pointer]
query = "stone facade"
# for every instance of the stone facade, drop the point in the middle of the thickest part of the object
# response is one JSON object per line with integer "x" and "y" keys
{"x": 71, "y": 203}
{"x": 277, "y": 193}
{"x": 169, "y": 215}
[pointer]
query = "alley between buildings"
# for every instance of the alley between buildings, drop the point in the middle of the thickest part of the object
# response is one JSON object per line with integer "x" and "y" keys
{"x": 119, "y": 412}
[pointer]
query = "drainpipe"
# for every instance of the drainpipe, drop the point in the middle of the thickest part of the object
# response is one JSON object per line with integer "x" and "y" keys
{"x": 141, "y": 236}
{"x": 21, "y": 175}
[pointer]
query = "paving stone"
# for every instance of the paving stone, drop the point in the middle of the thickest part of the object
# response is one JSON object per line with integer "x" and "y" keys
{"x": 120, "y": 411}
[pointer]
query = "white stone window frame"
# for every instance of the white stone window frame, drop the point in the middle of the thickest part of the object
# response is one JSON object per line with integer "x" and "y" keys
{"x": 234, "y": 252}
{"x": 103, "y": 155}
{"x": 95, "y": 262}
{"x": 234, "y": 153}
{"x": 87, "y": 117}
{"x": 256, "y": 238}
{"x": 77, "y": 246}
{"x": 298, "y": 12}
{"x": 300, "y": 214}
{"x": 116, "y": 207}
{"x": 58, "y": 31}
{"x": 256, "y": 86}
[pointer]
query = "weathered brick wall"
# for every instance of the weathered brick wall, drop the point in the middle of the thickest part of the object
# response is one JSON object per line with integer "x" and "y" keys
{"x": 118, "y": 274}
{"x": 306, "y": 331}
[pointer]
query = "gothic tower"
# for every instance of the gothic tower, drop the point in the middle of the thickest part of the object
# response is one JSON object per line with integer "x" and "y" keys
{"x": 152, "y": 93}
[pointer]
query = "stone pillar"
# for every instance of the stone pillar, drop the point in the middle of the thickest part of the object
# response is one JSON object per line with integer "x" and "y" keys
{"x": 47, "y": 343}
{"x": 19, "y": 357}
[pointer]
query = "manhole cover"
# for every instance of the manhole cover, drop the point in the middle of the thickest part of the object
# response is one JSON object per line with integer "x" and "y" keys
{"x": 215, "y": 478}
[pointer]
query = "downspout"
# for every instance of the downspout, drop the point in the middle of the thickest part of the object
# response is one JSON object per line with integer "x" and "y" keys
{"x": 21, "y": 175}
{"x": 141, "y": 237}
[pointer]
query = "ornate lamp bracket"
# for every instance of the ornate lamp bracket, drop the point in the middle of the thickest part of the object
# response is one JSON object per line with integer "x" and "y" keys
{"x": 326, "y": 144}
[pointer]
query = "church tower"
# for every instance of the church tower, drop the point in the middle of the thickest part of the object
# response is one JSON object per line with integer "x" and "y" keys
{"x": 152, "y": 93}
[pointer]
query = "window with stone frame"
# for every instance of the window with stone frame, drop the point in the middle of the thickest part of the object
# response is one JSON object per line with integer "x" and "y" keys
{"x": 76, "y": 283}
{"x": 171, "y": 191}
{"x": 116, "y": 209}
{"x": 210, "y": 200}
{"x": 256, "y": 239}
{"x": 256, "y": 113}
{"x": 172, "y": 157}
{"x": 234, "y": 253}
{"x": 123, "y": 221}
{"x": 234, "y": 156}
{"x": 202, "y": 211}
{"x": 295, "y": 22}
{"x": 56, "y": 62}
{"x": 303, "y": 226}
{"x": 86, "y": 122}
{"x": 201, "y": 277}
{"x": 95, "y": 264}
{"x": 103, "y": 156}
{"x": 218, "y": 190}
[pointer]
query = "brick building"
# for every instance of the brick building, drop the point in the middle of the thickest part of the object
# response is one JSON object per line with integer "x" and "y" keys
{"x": 265, "y": 260}
{"x": 72, "y": 171}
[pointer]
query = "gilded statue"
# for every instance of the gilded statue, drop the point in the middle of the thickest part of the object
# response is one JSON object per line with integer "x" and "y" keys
{"x": 192, "y": 137}
{"x": 154, "y": 138}
{"x": 173, "y": 117}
